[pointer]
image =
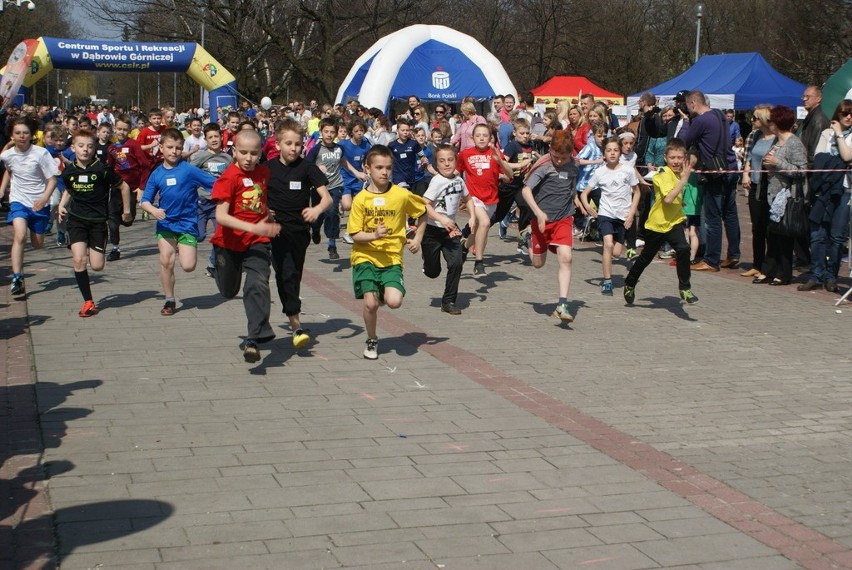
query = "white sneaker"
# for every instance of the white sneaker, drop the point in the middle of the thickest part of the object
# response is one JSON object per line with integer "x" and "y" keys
{"x": 371, "y": 351}
{"x": 346, "y": 238}
{"x": 640, "y": 242}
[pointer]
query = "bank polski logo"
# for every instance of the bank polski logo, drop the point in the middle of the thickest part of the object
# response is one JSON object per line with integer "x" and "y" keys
{"x": 440, "y": 79}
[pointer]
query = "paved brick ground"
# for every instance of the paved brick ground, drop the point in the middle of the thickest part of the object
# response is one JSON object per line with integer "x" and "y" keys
{"x": 652, "y": 436}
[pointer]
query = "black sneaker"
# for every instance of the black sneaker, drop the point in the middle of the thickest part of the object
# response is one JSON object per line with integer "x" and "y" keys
{"x": 18, "y": 287}
{"x": 450, "y": 308}
{"x": 688, "y": 297}
{"x": 168, "y": 309}
{"x": 210, "y": 272}
{"x": 629, "y": 294}
{"x": 315, "y": 235}
{"x": 478, "y": 269}
{"x": 332, "y": 253}
{"x": 250, "y": 351}
{"x": 114, "y": 255}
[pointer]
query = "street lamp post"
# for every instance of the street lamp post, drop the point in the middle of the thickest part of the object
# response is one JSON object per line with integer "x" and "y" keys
{"x": 699, "y": 12}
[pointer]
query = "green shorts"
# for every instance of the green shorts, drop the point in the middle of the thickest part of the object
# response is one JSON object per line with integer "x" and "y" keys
{"x": 180, "y": 239}
{"x": 367, "y": 278}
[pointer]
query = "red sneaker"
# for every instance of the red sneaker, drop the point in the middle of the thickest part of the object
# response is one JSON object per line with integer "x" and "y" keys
{"x": 89, "y": 309}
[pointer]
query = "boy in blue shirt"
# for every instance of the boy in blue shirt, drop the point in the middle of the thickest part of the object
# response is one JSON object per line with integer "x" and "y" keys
{"x": 407, "y": 152}
{"x": 176, "y": 183}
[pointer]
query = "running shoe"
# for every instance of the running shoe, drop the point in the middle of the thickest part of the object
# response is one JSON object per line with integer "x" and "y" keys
{"x": 89, "y": 309}
{"x": 18, "y": 287}
{"x": 668, "y": 254}
{"x": 168, "y": 309}
{"x": 346, "y": 238}
{"x": 524, "y": 242}
{"x": 640, "y": 243}
{"x": 503, "y": 230}
{"x": 563, "y": 314}
{"x": 210, "y": 272}
{"x": 629, "y": 294}
{"x": 630, "y": 253}
{"x": 688, "y": 297}
{"x": 606, "y": 288}
{"x": 250, "y": 351}
{"x": 332, "y": 252}
{"x": 300, "y": 338}
{"x": 478, "y": 269}
{"x": 450, "y": 308}
{"x": 61, "y": 239}
{"x": 114, "y": 255}
{"x": 371, "y": 351}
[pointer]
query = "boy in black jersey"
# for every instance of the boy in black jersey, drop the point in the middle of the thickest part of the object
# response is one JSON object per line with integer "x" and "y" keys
{"x": 291, "y": 178}
{"x": 85, "y": 204}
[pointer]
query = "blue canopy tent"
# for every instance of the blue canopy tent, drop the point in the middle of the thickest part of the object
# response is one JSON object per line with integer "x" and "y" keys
{"x": 731, "y": 81}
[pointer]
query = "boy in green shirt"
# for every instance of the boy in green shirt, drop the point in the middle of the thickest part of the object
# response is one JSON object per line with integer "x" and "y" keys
{"x": 665, "y": 223}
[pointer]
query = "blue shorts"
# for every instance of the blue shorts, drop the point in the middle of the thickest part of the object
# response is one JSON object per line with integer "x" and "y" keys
{"x": 37, "y": 222}
{"x": 611, "y": 226}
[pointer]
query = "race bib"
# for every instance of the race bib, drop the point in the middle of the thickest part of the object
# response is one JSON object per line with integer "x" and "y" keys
{"x": 378, "y": 201}
{"x": 247, "y": 182}
{"x": 171, "y": 181}
{"x": 296, "y": 185}
{"x": 83, "y": 178}
{"x": 563, "y": 176}
{"x": 403, "y": 155}
{"x": 125, "y": 150}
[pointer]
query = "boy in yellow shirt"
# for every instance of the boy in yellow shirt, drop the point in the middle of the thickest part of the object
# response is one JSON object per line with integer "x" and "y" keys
{"x": 377, "y": 224}
{"x": 665, "y": 223}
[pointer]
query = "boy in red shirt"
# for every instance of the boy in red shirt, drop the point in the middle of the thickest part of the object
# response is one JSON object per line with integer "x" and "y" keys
{"x": 149, "y": 137}
{"x": 482, "y": 166}
{"x": 242, "y": 238}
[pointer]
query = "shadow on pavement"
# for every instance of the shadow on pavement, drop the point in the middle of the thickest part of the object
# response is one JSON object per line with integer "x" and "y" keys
{"x": 125, "y": 299}
{"x": 407, "y": 344}
{"x": 669, "y": 303}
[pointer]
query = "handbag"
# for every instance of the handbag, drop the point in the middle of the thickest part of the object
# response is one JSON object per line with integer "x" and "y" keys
{"x": 794, "y": 223}
{"x": 717, "y": 163}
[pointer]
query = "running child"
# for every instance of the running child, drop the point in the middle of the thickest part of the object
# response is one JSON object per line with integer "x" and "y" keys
{"x": 149, "y": 137}
{"x": 291, "y": 181}
{"x": 129, "y": 161}
{"x": 590, "y": 158}
{"x": 521, "y": 156}
{"x": 195, "y": 141}
{"x": 328, "y": 155}
{"x": 31, "y": 174}
{"x": 692, "y": 204}
{"x": 377, "y": 225}
{"x": 175, "y": 182}
{"x": 355, "y": 148}
{"x": 618, "y": 189}
{"x": 102, "y": 142}
{"x": 482, "y": 166}
{"x": 55, "y": 138}
{"x": 85, "y": 206}
{"x": 229, "y": 133}
{"x": 664, "y": 223}
{"x": 550, "y": 191}
{"x": 440, "y": 235}
{"x": 407, "y": 154}
{"x": 214, "y": 161}
{"x": 242, "y": 238}
{"x": 423, "y": 171}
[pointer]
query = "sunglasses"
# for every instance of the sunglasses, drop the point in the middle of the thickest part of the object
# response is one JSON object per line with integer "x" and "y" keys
{"x": 439, "y": 112}
{"x": 846, "y": 113}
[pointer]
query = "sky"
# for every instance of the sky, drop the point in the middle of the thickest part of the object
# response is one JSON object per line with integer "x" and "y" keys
{"x": 94, "y": 32}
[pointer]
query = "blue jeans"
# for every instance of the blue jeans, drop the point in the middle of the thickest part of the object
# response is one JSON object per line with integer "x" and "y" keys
{"x": 330, "y": 219}
{"x": 827, "y": 241}
{"x": 720, "y": 208}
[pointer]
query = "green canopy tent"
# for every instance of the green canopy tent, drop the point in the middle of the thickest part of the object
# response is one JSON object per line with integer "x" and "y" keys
{"x": 837, "y": 88}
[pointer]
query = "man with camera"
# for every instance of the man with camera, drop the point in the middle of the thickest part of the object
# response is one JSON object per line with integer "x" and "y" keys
{"x": 707, "y": 131}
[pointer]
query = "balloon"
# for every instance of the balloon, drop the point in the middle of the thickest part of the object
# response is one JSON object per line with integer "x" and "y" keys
{"x": 266, "y": 103}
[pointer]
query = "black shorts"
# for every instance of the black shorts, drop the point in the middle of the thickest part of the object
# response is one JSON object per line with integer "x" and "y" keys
{"x": 611, "y": 226}
{"x": 93, "y": 234}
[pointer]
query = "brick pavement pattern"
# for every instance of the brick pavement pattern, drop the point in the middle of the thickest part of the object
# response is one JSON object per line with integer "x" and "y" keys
{"x": 653, "y": 436}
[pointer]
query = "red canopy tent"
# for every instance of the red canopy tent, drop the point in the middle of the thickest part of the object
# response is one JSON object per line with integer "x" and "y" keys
{"x": 572, "y": 87}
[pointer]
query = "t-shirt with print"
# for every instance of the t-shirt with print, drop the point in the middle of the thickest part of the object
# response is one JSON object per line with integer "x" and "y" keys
{"x": 406, "y": 155}
{"x": 515, "y": 152}
{"x": 130, "y": 162}
{"x": 30, "y": 170}
{"x": 290, "y": 190}
{"x": 328, "y": 157}
{"x": 148, "y": 135}
{"x": 354, "y": 155}
{"x": 446, "y": 195}
{"x": 177, "y": 189}
{"x": 214, "y": 163}
{"x": 554, "y": 188}
{"x": 89, "y": 187}
{"x": 481, "y": 173}
{"x": 663, "y": 217}
{"x": 616, "y": 186}
{"x": 391, "y": 208}
{"x": 246, "y": 194}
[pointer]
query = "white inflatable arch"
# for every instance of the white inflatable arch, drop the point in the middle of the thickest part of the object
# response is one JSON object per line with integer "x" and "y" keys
{"x": 435, "y": 63}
